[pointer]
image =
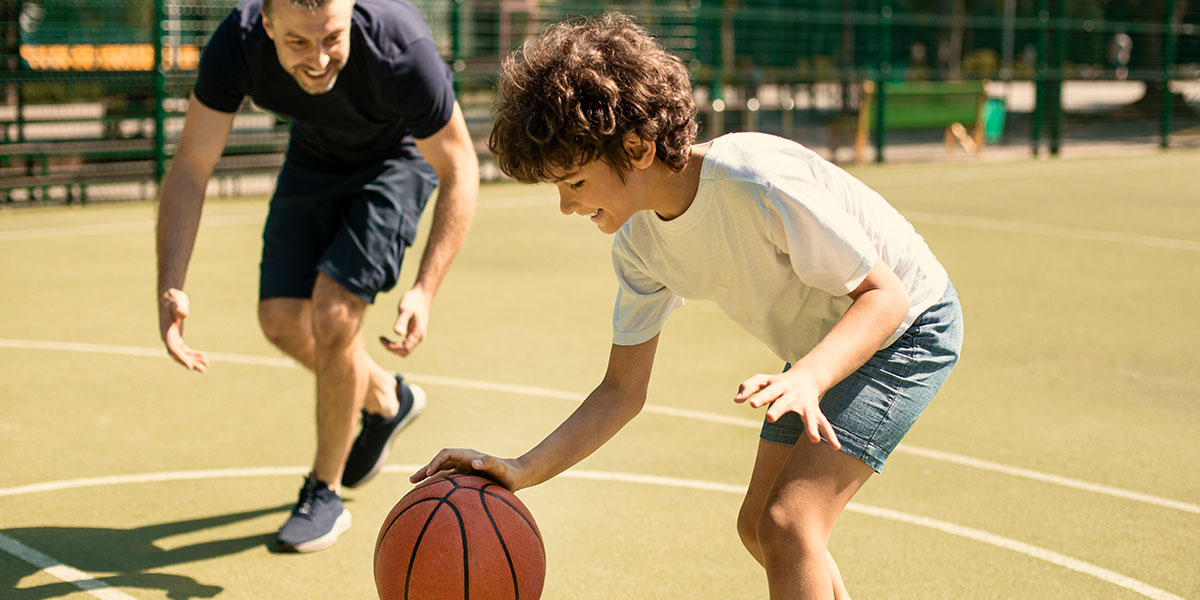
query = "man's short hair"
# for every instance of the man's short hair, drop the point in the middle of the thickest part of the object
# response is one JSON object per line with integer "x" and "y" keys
{"x": 571, "y": 96}
{"x": 301, "y": 4}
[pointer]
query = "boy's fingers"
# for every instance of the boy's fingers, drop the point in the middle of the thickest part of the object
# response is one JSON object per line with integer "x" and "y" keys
{"x": 830, "y": 434}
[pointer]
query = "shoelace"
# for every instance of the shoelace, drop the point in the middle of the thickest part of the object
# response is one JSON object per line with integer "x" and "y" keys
{"x": 308, "y": 493}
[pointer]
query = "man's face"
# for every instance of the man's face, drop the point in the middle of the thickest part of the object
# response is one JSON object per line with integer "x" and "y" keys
{"x": 313, "y": 45}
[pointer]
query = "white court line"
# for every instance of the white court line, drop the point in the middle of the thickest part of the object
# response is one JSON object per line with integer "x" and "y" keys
{"x": 525, "y": 390}
{"x": 977, "y": 535}
{"x": 73, "y": 576}
{"x": 212, "y": 221}
{"x": 1078, "y": 233}
{"x": 124, "y": 227}
{"x": 1021, "y": 227}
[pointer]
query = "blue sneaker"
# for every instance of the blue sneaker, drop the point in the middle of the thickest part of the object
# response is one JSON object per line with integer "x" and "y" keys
{"x": 371, "y": 447}
{"x": 316, "y": 522}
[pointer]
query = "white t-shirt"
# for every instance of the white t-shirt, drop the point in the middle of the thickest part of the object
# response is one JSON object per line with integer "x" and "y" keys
{"x": 777, "y": 236}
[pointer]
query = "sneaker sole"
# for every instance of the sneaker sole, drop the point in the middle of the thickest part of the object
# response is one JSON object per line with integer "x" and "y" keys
{"x": 418, "y": 406}
{"x": 339, "y": 527}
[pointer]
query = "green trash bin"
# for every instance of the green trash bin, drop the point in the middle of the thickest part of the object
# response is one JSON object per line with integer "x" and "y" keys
{"x": 995, "y": 111}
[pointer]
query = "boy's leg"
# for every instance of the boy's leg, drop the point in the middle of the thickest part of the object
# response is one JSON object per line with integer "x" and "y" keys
{"x": 795, "y": 495}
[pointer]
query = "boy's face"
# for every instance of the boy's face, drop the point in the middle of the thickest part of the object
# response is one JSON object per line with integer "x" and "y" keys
{"x": 313, "y": 45}
{"x": 595, "y": 191}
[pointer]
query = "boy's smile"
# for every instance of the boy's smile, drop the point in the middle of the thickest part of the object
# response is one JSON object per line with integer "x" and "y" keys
{"x": 596, "y": 191}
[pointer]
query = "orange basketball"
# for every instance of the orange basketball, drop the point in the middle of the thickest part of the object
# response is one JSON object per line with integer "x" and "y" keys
{"x": 459, "y": 537}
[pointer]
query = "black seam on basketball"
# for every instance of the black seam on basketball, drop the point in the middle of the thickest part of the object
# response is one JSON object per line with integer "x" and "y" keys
{"x": 412, "y": 559}
{"x": 512, "y": 569}
{"x": 528, "y": 522}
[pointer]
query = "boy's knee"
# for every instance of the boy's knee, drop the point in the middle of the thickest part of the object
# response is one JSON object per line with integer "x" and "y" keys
{"x": 782, "y": 528}
{"x": 747, "y": 527}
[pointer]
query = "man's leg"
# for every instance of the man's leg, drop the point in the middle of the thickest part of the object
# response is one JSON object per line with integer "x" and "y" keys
{"x": 288, "y": 324}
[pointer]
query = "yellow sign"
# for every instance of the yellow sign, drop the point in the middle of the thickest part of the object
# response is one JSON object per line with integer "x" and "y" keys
{"x": 106, "y": 57}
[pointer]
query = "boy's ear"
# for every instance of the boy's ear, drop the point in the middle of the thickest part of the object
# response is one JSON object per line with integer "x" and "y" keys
{"x": 640, "y": 151}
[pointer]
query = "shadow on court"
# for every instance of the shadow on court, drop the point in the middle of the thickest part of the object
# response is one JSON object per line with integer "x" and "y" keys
{"x": 129, "y": 553}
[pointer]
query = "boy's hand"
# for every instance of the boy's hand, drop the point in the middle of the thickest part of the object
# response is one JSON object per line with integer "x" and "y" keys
{"x": 506, "y": 472}
{"x": 789, "y": 392}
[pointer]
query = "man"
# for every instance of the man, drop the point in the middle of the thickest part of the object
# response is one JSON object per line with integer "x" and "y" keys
{"x": 375, "y": 128}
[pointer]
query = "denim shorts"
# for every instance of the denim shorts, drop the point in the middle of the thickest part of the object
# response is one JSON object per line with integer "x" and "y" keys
{"x": 876, "y": 405}
{"x": 352, "y": 224}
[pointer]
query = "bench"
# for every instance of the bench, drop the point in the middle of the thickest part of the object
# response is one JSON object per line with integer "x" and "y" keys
{"x": 954, "y": 106}
{"x": 36, "y": 167}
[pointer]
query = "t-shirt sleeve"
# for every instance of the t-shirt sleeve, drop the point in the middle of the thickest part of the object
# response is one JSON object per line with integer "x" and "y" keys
{"x": 425, "y": 90}
{"x": 827, "y": 246}
{"x": 221, "y": 76}
{"x": 642, "y": 305}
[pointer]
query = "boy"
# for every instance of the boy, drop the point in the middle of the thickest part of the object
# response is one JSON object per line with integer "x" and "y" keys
{"x": 796, "y": 251}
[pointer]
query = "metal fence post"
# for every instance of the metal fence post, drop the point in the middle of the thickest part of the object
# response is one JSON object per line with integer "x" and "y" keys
{"x": 160, "y": 92}
{"x": 881, "y": 76}
{"x": 1043, "y": 43}
{"x": 1056, "y": 77}
{"x": 1168, "y": 66}
{"x": 456, "y": 59}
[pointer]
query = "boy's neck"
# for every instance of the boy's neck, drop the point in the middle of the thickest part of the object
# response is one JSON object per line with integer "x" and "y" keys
{"x": 673, "y": 191}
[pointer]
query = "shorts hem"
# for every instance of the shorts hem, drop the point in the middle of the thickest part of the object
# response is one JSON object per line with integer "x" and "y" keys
{"x": 873, "y": 456}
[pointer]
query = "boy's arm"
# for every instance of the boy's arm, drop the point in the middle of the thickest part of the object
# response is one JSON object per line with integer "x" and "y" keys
{"x": 618, "y": 398}
{"x": 879, "y": 305}
{"x": 205, "y": 132}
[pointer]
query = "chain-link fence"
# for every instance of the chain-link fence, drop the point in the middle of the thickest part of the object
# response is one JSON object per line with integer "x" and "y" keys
{"x": 92, "y": 92}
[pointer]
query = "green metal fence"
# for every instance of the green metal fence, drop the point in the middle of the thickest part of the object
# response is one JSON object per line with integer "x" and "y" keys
{"x": 92, "y": 92}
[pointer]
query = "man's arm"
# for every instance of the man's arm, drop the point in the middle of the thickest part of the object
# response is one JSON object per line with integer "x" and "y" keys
{"x": 452, "y": 155}
{"x": 205, "y": 132}
{"x": 616, "y": 401}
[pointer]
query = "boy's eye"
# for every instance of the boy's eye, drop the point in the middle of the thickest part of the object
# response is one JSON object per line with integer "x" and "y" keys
{"x": 576, "y": 185}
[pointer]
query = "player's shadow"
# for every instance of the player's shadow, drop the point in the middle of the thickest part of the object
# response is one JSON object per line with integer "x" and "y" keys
{"x": 127, "y": 554}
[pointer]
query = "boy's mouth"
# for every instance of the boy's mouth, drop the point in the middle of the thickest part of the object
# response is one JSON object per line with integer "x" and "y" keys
{"x": 595, "y": 215}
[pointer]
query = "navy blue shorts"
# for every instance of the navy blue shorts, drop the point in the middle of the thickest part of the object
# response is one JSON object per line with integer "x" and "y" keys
{"x": 353, "y": 225}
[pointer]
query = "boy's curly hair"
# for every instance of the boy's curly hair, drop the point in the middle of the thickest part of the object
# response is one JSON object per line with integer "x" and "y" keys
{"x": 571, "y": 96}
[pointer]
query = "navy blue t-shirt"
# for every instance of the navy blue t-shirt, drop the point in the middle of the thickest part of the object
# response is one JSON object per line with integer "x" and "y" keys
{"x": 393, "y": 87}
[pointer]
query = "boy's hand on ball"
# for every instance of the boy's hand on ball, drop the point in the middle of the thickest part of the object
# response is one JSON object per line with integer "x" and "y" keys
{"x": 464, "y": 460}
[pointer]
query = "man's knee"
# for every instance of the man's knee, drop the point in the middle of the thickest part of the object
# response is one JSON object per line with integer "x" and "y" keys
{"x": 336, "y": 314}
{"x": 280, "y": 321}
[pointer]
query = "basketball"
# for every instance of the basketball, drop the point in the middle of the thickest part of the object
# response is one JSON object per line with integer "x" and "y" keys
{"x": 459, "y": 537}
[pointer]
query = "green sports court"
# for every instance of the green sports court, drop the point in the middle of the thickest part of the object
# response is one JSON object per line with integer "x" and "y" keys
{"x": 1058, "y": 462}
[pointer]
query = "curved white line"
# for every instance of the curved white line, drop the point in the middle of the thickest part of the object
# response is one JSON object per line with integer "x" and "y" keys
{"x": 538, "y": 392}
{"x": 1078, "y": 233}
{"x": 977, "y": 535}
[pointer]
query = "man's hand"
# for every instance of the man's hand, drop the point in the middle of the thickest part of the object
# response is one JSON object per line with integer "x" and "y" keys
{"x": 411, "y": 322}
{"x": 172, "y": 310}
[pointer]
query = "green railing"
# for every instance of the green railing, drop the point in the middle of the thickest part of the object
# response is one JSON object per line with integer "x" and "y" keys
{"x": 92, "y": 92}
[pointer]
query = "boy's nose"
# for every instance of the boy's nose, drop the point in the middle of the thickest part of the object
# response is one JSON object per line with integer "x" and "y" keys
{"x": 566, "y": 205}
